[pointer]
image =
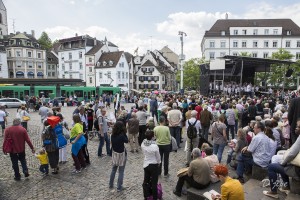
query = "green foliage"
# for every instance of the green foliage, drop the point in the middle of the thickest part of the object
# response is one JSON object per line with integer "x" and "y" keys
{"x": 45, "y": 41}
{"x": 276, "y": 76}
{"x": 191, "y": 73}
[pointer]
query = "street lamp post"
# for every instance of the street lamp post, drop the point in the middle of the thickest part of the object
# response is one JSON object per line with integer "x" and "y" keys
{"x": 181, "y": 59}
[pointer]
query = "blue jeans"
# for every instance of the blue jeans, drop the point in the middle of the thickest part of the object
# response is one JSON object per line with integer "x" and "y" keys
{"x": 205, "y": 132}
{"x": 44, "y": 168}
{"x": 244, "y": 162}
{"x": 175, "y": 132}
{"x": 120, "y": 178}
{"x": 101, "y": 143}
{"x": 218, "y": 150}
{"x": 273, "y": 170}
{"x": 15, "y": 157}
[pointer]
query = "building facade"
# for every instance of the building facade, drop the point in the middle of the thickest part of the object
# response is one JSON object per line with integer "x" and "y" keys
{"x": 52, "y": 65}
{"x": 25, "y": 57}
{"x": 255, "y": 37}
{"x": 3, "y": 19}
{"x": 154, "y": 72}
{"x": 3, "y": 63}
{"x": 71, "y": 56}
{"x": 112, "y": 69}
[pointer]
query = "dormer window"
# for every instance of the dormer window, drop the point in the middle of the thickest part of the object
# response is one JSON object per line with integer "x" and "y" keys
{"x": 104, "y": 63}
{"x": 110, "y": 63}
{"x": 222, "y": 32}
{"x": 289, "y": 32}
{"x": 98, "y": 64}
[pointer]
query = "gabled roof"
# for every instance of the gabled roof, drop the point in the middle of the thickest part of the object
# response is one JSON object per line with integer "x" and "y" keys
{"x": 148, "y": 63}
{"x": 51, "y": 58}
{"x": 225, "y": 24}
{"x": 111, "y": 44}
{"x": 55, "y": 47}
{"x": 109, "y": 56}
{"x": 128, "y": 56}
{"x": 95, "y": 49}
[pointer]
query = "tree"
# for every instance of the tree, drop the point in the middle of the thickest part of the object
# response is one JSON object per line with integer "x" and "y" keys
{"x": 277, "y": 72}
{"x": 191, "y": 73}
{"x": 45, "y": 41}
{"x": 245, "y": 54}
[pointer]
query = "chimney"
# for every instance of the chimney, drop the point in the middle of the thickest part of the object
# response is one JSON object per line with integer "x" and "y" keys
{"x": 33, "y": 33}
{"x": 76, "y": 35}
{"x": 18, "y": 32}
{"x": 226, "y": 16}
{"x": 95, "y": 41}
{"x": 25, "y": 33}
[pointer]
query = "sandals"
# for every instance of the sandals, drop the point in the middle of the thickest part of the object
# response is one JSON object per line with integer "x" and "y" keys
{"x": 270, "y": 194}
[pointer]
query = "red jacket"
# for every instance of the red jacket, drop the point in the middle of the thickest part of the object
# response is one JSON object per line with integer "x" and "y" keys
{"x": 19, "y": 136}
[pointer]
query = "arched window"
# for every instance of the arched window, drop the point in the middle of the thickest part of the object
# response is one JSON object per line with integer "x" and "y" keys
{"x": 30, "y": 74}
{"x": 19, "y": 74}
{"x": 40, "y": 74}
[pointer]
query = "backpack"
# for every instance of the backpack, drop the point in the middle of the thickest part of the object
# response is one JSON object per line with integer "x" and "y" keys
{"x": 50, "y": 142}
{"x": 61, "y": 140}
{"x": 192, "y": 131}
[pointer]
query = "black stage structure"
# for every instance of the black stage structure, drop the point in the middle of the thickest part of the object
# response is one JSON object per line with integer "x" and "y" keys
{"x": 239, "y": 69}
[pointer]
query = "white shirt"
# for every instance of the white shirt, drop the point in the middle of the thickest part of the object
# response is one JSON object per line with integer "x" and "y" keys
{"x": 160, "y": 104}
{"x": 151, "y": 153}
{"x": 2, "y": 115}
{"x": 192, "y": 121}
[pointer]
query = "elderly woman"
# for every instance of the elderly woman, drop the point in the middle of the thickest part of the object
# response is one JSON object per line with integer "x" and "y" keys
{"x": 198, "y": 175}
{"x": 231, "y": 189}
{"x": 133, "y": 132}
{"x": 219, "y": 136}
{"x": 164, "y": 112}
{"x": 78, "y": 141}
{"x": 284, "y": 167}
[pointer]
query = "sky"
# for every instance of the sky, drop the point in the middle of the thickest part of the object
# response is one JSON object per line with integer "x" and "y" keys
{"x": 132, "y": 24}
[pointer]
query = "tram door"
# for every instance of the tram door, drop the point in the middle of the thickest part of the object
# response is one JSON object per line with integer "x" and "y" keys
{"x": 218, "y": 84}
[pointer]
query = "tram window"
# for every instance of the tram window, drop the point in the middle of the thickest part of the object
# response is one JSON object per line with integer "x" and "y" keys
{"x": 16, "y": 95}
{"x": 79, "y": 93}
{"x": 26, "y": 92}
{"x": 8, "y": 93}
{"x": 21, "y": 96}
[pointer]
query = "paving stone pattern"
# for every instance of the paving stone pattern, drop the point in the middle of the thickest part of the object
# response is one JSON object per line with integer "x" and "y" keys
{"x": 91, "y": 183}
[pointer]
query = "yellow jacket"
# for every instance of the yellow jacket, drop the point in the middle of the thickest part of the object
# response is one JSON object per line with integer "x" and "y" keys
{"x": 43, "y": 158}
{"x": 232, "y": 190}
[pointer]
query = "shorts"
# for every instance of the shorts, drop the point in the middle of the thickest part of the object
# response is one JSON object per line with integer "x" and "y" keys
{"x": 2, "y": 124}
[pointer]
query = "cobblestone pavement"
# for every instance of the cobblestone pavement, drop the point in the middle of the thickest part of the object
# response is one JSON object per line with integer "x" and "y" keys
{"x": 91, "y": 183}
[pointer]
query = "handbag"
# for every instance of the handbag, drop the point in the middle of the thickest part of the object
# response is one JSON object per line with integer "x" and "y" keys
{"x": 295, "y": 161}
{"x": 25, "y": 117}
{"x": 7, "y": 145}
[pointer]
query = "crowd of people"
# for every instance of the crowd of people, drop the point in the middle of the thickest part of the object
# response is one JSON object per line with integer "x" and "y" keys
{"x": 253, "y": 127}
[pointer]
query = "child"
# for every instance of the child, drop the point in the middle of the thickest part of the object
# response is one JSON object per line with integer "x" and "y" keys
{"x": 236, "y": 146}
{"x": 63, "y": 151}
{"x": 203, "y": 147}
{"x": 42, "y": 156}
{"x": 285, "y": 130}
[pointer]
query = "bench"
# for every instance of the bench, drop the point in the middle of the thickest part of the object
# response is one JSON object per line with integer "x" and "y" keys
{"x": 294, "y": 186}
{"x": 195, "y": 194}
{"x": 259, "y": 173}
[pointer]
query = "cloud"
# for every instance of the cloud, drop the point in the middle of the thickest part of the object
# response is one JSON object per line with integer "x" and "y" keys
{"x": 194, "y": 24}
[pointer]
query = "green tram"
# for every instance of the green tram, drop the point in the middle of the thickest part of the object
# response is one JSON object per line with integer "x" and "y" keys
{"x": 14, "y": 91}
{"x": 52, "y": 91}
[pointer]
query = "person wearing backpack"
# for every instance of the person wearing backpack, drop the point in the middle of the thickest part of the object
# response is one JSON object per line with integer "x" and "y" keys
{"x": 192, "y": 126}
{"x": 50, "y": 144}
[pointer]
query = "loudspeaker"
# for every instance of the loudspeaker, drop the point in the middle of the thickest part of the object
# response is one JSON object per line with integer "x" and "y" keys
{"x": 289, "y": 73}
{"x": 204, "y": 85}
